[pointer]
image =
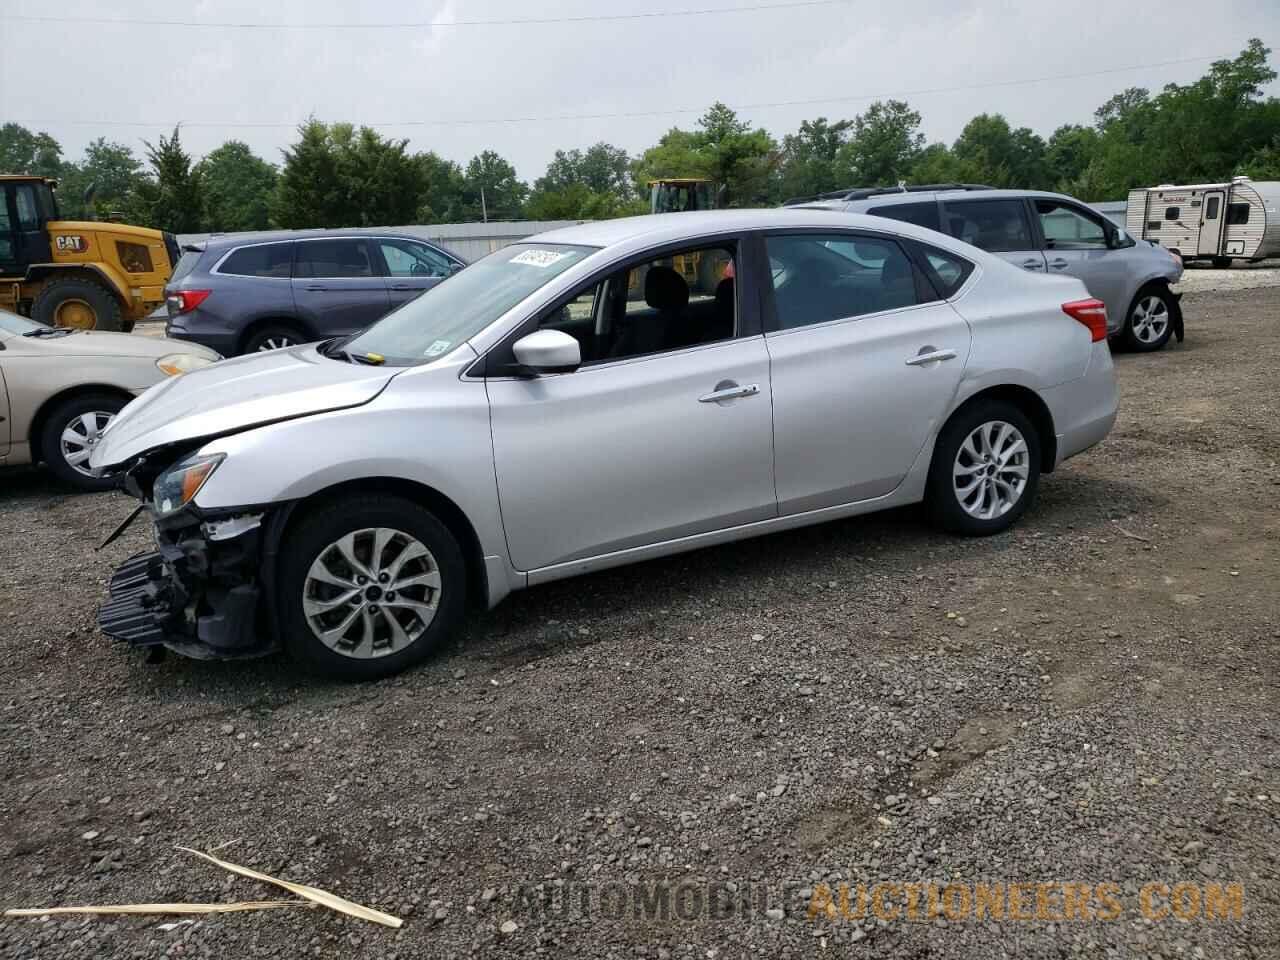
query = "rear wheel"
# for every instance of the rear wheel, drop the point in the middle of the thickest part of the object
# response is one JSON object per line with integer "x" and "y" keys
{"x": 985, "y": 470}
{"x": 368, "y": 586}
{"x": 1150, "y": 321}
{"x": 78, "y": 303}
{"x": 70, "y": 433}
{"x": 277, "y": 336}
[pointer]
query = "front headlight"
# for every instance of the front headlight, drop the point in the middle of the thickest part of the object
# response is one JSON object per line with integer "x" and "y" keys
{"x": 178, "y": 485}
{"x": 178, "y": 363}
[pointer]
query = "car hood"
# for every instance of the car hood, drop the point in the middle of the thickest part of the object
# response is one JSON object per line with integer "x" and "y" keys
{"x": 96, "y": 343}
{"x": 234, "y": 395}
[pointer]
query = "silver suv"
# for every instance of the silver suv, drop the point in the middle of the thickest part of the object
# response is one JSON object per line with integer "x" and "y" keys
{"x": 1044, "y": 233}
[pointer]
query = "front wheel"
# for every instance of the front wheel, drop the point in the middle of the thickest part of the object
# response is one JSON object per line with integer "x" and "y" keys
{"x": 985, "y": 470}
{"x": 274, "y": 337}
{"x": 1150, "y": 321}
{"x": 71, "y": 431}
{"x": 368, "y": 586}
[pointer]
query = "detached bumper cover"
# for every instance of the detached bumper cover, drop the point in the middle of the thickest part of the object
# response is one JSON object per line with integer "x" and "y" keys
{"x": 197, "y": 595}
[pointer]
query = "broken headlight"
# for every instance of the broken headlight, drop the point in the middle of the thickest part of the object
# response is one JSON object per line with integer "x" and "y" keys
{"x": 178, "y": 485}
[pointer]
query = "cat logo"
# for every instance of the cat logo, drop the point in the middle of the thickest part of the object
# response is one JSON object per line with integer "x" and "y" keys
{"x": 71, "y": 243}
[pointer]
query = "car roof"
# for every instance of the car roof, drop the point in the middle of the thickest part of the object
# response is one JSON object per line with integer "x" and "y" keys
{"x": 662, "y": 227}
{"x": 895, "y": 199}
{"x": 225, "y": 241}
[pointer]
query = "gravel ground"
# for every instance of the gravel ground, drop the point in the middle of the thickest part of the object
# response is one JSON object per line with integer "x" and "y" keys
{"x": 1091, "y": 697}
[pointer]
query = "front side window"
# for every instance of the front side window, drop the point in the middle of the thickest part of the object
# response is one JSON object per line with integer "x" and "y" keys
{"x": 818, "y": 278}
{"x": 263, "y": 260}
{"x": 346, "y": 258}
{"x": 997, "y": 226}
{"x": 1066, "y": 228}
{"x": 1237, "y": 214}
{"x": 921, "y": 214}
{"x": 405, "y": 258}
{"x": 432, "y": 324}
{"x": 679, "y": 300}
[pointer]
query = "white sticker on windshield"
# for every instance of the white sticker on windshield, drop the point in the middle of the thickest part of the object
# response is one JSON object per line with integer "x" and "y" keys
{"x": 437, "y": 348}
{"x": 539, "y": 258}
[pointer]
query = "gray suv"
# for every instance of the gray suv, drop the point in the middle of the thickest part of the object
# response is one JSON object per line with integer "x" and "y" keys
{"x": 1044, "y": 233}
{"x": 248, "y": 292}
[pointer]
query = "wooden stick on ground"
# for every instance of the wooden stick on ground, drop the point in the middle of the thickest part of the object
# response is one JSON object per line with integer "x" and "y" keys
{"x": 161, "y": 908}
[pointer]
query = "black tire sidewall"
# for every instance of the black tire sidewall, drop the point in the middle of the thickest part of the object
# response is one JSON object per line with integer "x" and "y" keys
{"x": 1131, "y": 342}
{"x": 51, "y": 437}
{"x": 310, "y": 533}
{"x": 106, "y": 309}
{"x": 255, "y": 339}
{"x": 944, "y": 508}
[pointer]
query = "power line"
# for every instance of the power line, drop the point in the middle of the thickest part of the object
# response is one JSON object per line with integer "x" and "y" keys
{"x": 410, "y": 24}
{"x": 670, "y": 111}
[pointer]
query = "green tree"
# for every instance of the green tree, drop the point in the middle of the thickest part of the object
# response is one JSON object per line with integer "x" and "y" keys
{"x": 884, "y": 144}
{"x": 22, "y": 151}
{"x": 811, "y": 161}
{"x": 310, "y": 191}
{"x": 111, "y": 169}
{"x": 724, "y": 148}
{"x": 491, "y": 189}
{"x": 989, "y": 151}
{"x": 601, "y": 168}
{"x": 1068, "y": 154}
{"x": 442, "y": 183}
{"x": 171, "y": 198}
{"x": 238, "y": 186}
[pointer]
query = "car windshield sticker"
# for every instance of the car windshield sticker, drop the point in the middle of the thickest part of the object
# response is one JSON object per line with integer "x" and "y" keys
{"x": 437, "y": 348}
{"x": 539, "y": 258}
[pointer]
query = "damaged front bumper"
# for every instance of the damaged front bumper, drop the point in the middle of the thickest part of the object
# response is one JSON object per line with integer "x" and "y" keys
{"x": 199, "y": 594}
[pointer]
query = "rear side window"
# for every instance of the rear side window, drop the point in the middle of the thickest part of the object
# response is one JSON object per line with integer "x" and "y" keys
{"x": 921, "y": 214}
{"x": 947, "y": 271}
{"x": 334, "y": 259}
{"x": 822, "y": 277}
{"x": 1237, "y": 214}
{"x": 263, "y": 260}
{"x": 998, "y": 226}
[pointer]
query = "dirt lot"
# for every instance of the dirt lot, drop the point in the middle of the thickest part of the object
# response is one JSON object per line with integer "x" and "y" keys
{"x": 1090, "y": 698}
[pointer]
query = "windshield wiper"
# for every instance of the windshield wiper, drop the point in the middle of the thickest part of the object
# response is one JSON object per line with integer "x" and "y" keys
{"x": 49, "y": 332}
{"x": 368, "y": 359}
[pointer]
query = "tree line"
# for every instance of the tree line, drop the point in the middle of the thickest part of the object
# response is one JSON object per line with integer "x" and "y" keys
{"x": 339, "y": 175}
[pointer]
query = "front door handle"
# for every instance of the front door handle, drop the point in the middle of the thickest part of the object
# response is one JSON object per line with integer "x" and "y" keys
{"x": 930, "y": 357}
{"x": 403, "y": 286}
{"x": 728, "y": 390}
{"x": 1033, "y": 264}
{"x": 316, "y": 287}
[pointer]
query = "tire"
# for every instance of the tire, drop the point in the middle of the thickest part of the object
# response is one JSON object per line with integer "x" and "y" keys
{"x": 945, "y": 497}
{"x": 78, "y": 303}
{"x": 1149, "y": 322}
{"x": 275, "y": 336}
{"x": 308, "y": 603}
{"x": 60, "y": 451}
{"x": 1221, "y": 263}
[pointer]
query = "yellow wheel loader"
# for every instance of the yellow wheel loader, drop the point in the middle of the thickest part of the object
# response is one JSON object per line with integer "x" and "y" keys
{"x": 70, "y": 273}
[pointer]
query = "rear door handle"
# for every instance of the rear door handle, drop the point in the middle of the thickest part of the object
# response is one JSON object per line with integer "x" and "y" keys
{"x": 316, "y": 287}
{"x": 403, "y": 286}
{"x": 935, "y": 355}
{"x": 1059, "y": 264}
{"x": 730, "y": 391}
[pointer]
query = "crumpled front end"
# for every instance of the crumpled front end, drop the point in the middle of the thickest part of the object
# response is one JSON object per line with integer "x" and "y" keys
{"x": 198, "y": 594}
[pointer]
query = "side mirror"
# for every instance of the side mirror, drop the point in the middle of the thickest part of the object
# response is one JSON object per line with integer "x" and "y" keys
{"x": 548, "y": 351}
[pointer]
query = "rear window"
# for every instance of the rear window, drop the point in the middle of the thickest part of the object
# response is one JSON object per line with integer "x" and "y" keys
{"x": 921, "y": 214}
{"x": 186, "y": 263}
{"x": 263, "y": 260}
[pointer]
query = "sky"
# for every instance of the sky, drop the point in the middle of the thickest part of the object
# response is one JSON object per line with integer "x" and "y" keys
{"x": 462, "y": 89}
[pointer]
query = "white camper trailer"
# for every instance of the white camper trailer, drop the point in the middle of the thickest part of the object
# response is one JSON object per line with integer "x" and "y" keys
{"x": 1210, "y": 221}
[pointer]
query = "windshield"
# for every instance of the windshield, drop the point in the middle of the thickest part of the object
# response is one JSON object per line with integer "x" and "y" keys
{"x": 12, "y": 323}
{"x": 455, "y": 310}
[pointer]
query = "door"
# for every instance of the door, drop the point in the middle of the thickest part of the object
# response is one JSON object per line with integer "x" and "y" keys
{"x": 1211, "y": 221}
{"x": 411, "y": 267}
{"x": 1076, "y": 244}
{"x": 8, "y": 231}
{"x": 335, "y": 286}
{"x": 5, "y": 425}
{"x": 999, "y": 226}
{"x": 865, "y": 362}
{"x": 664, "y": 432}
{"x": 32, "y": 240}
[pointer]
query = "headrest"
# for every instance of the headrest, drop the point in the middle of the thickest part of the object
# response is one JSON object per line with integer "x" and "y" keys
{"x": 664, "y": 289}
{"x": 724, "y": 293}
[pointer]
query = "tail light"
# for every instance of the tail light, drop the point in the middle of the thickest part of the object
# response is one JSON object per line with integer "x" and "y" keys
{"x": 184, "y": 301}
{"x": 1092, "y": 313}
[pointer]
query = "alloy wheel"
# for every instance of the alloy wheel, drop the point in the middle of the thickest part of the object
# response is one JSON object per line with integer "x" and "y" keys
{"x": 278, "y": 342}
{"x": 371, "y": 593}
{"x": 1150, "y": 319}
{"x": 991, "y": 469}
{"x": 80, "y": 436}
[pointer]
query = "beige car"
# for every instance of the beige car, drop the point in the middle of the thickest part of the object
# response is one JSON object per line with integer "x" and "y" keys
{"x": 60, "y": 387}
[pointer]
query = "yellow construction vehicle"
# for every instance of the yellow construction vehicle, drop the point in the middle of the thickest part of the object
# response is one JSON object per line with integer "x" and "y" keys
{"x": 70, "y": 273}
{"x": 677, "y": 194}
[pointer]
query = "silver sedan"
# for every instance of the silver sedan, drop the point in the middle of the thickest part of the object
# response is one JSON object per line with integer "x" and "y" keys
{"x": 595, "y": 396}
